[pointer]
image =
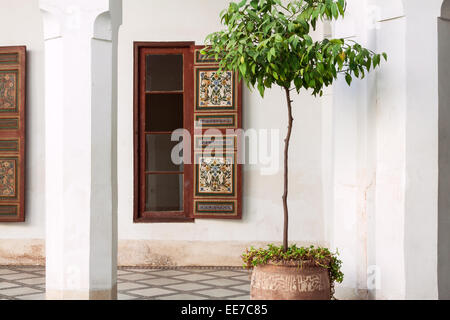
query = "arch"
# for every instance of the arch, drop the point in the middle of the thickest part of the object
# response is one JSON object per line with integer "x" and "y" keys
{"x": 389, "y": 9}
{"x": 445, "y": 10}
{"x": 52, "y": 26}
{"x": 103, "y": 27}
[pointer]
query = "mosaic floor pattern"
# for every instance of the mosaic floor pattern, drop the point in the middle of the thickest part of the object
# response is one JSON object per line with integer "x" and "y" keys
{"x": 183, "y": 283}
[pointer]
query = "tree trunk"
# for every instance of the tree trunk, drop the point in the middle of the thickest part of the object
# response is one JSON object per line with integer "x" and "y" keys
{"x": 286, "y": 169}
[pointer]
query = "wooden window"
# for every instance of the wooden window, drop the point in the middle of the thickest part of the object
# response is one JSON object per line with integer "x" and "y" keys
{"x": 163, "y": 95}
{"x": 12, "y": 133}
{"x": 168, "y": 84}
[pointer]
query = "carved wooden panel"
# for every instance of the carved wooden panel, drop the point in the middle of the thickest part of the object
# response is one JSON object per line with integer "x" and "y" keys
{"x": 12, "y": 133}
{"x": 217, "y": 109}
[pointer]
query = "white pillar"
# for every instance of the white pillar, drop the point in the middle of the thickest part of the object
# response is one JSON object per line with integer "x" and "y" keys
{"x": 444, "y": 152}
{"x": 81, "y": 233}
{"x": 390, "y": 106}
{"x": 422, "y": 141}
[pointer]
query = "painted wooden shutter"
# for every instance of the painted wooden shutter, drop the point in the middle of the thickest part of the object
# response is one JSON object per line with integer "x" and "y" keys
{"x": 12, "y": 133}
{"x": 217, "y": 106}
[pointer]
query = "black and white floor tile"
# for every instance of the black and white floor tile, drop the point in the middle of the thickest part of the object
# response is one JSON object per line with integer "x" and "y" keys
{"x": 181, "y": 283}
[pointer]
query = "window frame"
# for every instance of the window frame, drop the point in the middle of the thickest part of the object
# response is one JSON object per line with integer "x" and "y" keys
{"x": 140, "y": 51}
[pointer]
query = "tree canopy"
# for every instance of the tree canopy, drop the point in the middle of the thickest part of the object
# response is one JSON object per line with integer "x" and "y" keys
{"x": 269, "y": 43}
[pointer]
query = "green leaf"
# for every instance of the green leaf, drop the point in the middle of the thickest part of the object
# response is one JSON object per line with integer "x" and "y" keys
{"x": 341, "y": 6}
{"x": 348, "y": 78}
{"x": 233, "y": 7}
{"x": 291, "y": 27}
{"x": 308, "y": 39}
{"x": 376, "y": 60}
{"x": 273, "y": 51}
{"x": 294, "y": 41}
{"x": 298, "y": 83}
{"x": 334, "y": 10}
{"x": 243, "y": 69}
{"x": 242, "y": 3}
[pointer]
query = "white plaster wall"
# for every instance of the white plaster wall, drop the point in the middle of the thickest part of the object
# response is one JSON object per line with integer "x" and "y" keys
{"x": 21, "y": 24}
{"x": 159, "y": 20}
{"x": 385, "y": 154}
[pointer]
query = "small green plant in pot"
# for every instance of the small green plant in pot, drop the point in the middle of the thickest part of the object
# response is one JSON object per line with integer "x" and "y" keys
{"x": 268, "y": 43}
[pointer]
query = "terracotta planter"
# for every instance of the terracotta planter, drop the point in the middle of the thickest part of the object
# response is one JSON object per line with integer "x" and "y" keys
{"x": 289, "y": 282}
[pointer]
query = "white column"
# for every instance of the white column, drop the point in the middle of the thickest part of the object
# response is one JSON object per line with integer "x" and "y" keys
{"x": 422, "y": 141}
{"x": 388, "y": 275}
{"x": 81, "y": 234}
{"x": 444, "y": 152}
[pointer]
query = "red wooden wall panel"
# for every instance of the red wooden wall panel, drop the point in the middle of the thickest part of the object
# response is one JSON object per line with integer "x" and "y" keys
{"x": 12, "y": 133}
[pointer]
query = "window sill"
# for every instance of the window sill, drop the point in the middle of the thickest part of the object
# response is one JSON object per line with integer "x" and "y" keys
{"x": 167, "y": 217}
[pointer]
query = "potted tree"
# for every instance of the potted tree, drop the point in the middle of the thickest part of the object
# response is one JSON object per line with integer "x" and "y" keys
{"x": 268, "y": 43}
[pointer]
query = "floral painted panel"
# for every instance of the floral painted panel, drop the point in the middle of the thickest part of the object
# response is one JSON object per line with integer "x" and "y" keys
{"x": 7, "y": 178}
{"x": 215, "y": 176}
{"x": 8, "y": 91}
{"x": 215, "y": 91}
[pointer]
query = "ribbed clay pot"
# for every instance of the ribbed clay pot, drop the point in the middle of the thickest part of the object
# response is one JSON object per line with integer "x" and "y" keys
{"x": 289, "y": 282}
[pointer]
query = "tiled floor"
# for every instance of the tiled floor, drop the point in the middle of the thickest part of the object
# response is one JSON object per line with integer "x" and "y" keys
{"x": 28, "y": 283}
